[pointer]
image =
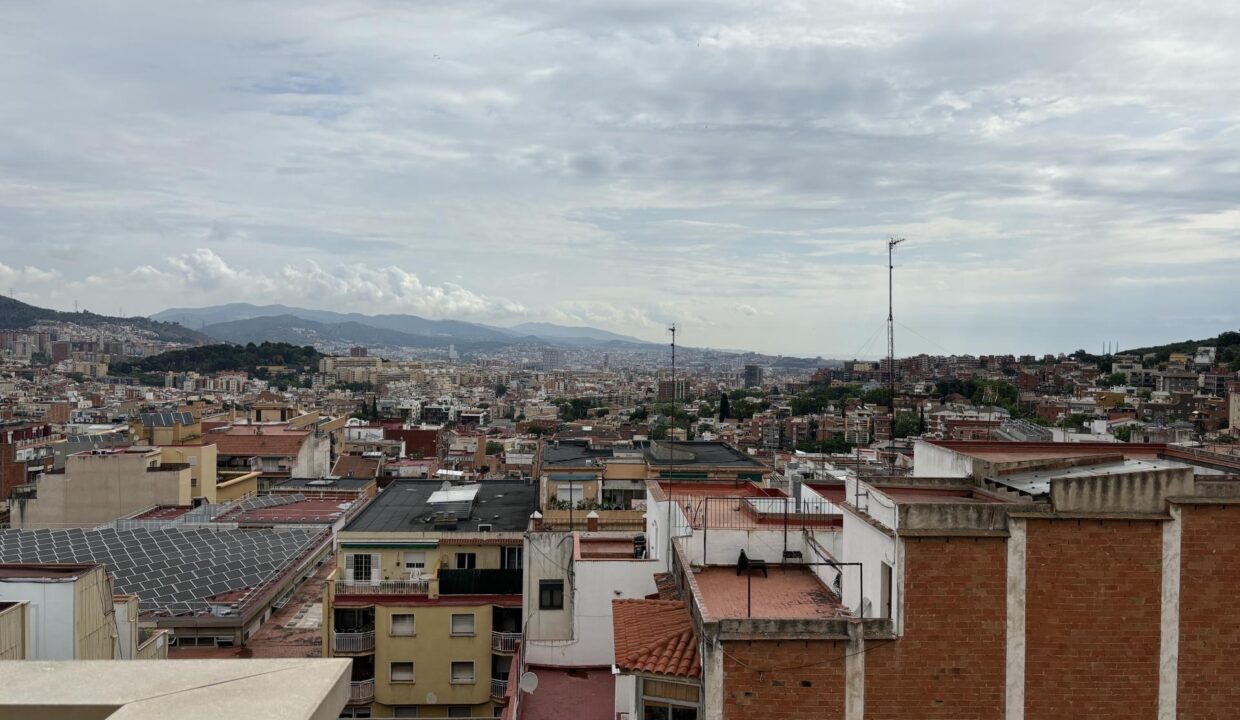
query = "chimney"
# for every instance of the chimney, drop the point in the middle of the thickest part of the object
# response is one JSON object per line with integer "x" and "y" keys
{"x": 538, "y": 521}
{"x": 592, "y": 522}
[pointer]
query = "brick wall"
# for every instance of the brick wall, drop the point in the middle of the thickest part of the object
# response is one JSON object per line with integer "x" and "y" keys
{"x": 950, "y": 662}
{"x": 1209, "y": 683}
{"x": 1093, "y": 607}
{"x": 783, "y": 680}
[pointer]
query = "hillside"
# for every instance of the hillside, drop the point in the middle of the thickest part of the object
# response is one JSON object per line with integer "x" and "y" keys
{"x": 17, "y": 315}
{"x": 1228, "y": 344}
{"x": 217, "y": 358}
{"x": 300, "y": 331}
{"x": 244, "y": 322}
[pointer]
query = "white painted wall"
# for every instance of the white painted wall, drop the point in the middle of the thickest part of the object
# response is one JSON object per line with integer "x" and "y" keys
{"x": 868, "y": 545}
{"x": 50, "y": 631}
{"x": 626, "y": 695}
{"x": 598, "y": 582}
{"x": 935, "y": 461}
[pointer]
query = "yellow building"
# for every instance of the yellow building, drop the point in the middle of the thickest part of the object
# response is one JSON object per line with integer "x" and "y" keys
{"x": 427, "y": 598}
{"x": 178, "y": 435}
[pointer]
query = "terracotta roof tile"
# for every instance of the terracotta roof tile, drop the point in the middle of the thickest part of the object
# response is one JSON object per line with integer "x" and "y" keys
{"x": 655, "y": 636}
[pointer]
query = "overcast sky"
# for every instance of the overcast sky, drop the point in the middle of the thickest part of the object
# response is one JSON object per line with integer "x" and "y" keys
{"x": 1065, "y": 173}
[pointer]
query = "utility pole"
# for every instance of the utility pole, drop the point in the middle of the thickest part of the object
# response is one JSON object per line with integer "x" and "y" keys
{"x": 671, "y": 450}
{"x": 891, "y": 350}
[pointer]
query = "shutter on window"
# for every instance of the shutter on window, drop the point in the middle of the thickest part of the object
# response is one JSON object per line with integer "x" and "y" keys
{"x": 348, "y": 568}
{"x": 376, "y": 568}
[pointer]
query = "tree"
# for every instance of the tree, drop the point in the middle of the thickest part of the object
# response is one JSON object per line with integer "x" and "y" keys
{"x": 639, "y": 414}
{"x": 1112, "y": 380}
{"x": 907, "y": 423}
{"x": 724, "y": 407}
{"x": 501, "y": 390}
{"x": 494, "y": 448}
{"x": 1124, "y": 433}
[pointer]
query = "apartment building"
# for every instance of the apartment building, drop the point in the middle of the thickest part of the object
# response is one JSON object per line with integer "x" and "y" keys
{"x": 178, "y": 435}
{"x": 99, "y": 486}
{"x": 426, "y": 598}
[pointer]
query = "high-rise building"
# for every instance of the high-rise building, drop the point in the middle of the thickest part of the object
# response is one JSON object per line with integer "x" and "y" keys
{"x": 753, "y": 376}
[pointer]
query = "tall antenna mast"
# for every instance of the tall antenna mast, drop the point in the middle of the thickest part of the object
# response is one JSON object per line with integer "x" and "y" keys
{"x": 891, "y": 351}
{"x": 671, "y": 448}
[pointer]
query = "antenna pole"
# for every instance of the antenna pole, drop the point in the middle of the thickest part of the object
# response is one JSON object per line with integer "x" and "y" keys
{"x": 891, "y": 352}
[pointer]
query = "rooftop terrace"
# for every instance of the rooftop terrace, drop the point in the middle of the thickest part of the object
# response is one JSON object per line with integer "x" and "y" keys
{"x": 786, "y": 593}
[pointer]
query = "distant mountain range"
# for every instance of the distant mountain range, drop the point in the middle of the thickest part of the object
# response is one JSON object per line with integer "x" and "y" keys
{"x": 245, "y": 323}
{"x": 17, "y": 315}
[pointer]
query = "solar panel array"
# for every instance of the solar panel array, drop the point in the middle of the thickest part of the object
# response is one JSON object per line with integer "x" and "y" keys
{"x": 267, "y": 501}
{"x": 165, "y": 419}
{"x": 168, "y": 569}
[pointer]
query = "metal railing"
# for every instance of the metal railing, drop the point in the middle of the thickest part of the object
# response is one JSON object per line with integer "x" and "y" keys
{"x": 499, "y": 688}
{"x": 350, "y": 642}
{"x": 505, "y": 642}
{"x": 362, "y": 691}
{"x": 383, "y": 587}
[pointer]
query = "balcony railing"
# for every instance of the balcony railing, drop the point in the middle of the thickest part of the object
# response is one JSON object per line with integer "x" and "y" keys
{"x": 383, "y": 587}
{"x": 499, "y": 688}
{"x": 504, "y": 642}
{"x": 362, "y": 691}
{"x": 352, "y": 642}
{"x": 480, "y": 582}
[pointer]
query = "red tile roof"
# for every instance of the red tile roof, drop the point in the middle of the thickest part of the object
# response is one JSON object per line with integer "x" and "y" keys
{"x": 281, "y": 445}
{"x": 356, "y": 466}
{"x": 655, "y": 636}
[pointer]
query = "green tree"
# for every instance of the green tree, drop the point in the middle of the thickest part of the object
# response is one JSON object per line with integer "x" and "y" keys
{"x": 724, "y": 407}
{"x": 501, "y": 390}
{"x": 494, "y": 448}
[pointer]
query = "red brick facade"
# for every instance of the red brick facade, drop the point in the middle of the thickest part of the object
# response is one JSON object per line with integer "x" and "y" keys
{"x": 1209, "y": 682}
{"x": 1092, "y": 622}
{"x": 784, "y": 680}
{"x": 950, "y": 661}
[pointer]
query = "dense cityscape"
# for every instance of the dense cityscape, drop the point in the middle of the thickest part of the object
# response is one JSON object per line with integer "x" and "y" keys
{"x": 619, "y": 360}
{"x": 494, "y": 532}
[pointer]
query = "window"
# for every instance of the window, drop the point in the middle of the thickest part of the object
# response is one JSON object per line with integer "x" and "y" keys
{"x": 415, "y": 563}
{"x": 569, "y": 493}
{"x": 510, "y": 558}
{"x": 463, "y": 624}
{"x": 466, "y": 561}
{"x": 463, "y": 673}
{"x": 404, "y": 624}
{"x": 361, "y": 568}
{"x": 358, "y": 712}
{"x": 550, "y": 594}
{"x": 663, "y": 700}
{"x": 401, "y": 672}
{"x": 459, "y": 711}
{"x": 405, "y": 711}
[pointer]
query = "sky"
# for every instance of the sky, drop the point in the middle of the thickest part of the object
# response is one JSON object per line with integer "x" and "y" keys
{"x": 1065, "y": 174}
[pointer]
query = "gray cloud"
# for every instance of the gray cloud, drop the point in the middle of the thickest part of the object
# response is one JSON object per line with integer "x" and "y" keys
{"x": 1061, "y": 171}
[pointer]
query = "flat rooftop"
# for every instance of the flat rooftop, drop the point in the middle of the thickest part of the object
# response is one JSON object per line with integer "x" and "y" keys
{"x": 787, "y": 593}
{"x": 333, "y": 483}
{"x": 582, "y": 694}
{"x": 1000, "y": 451}
{"x": 572, "y": 453}
{"x": 44, "y": 570}
{"x": 698, "y": 453}
{"x": 170, "y": 569}
{"x": 405, "y": 506}
{"x": 1038, "y": 481}
{"x": 930, "y": 496}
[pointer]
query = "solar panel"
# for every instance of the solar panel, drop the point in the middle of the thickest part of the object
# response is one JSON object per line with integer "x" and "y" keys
{"x": 168, "y": 566}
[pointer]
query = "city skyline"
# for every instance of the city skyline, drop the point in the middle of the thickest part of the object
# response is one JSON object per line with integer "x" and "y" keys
{"x": 1064, "y": 178}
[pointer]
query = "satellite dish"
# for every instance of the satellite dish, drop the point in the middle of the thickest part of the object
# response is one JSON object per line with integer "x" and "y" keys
{"x": 528, "y": 682}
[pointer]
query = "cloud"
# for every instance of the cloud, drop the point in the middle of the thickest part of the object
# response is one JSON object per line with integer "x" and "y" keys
{"x": 733, "y": 166}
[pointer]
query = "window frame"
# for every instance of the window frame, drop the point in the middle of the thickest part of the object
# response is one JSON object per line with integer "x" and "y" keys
{"x": 473, "y": 625}
{"x": 473, "y": 672}
{"x": 545, "y": 586}
{"x": 413, "y": 672}
{"x": 396, "y": 711}
{"x": 472, "y": 562}
{"x": 392, "y": 625}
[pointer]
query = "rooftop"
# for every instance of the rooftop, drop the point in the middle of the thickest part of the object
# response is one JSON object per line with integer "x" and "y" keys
{"x": 572, "y": 453}
{"x": 356, "y": 466}
{"x": 44, "y": 570}
{"x": 910, "y": 496}
{"x": 283, "y": 689}
{"x": 703, "y": 453}
{"x": 655, "y": 636}
{"x": 313, "y": 484}
{"x": 787, "y": 593}
{"x": 405, "y": 506}
{"x": 170, "y": 569}
{"x": 1038, "y": 481}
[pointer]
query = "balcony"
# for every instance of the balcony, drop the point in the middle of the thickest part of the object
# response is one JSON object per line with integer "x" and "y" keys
{"x": 384, "y": 587}
{"x": 361, "y": 691}
{"x": 353, "y": 642}
{"x": 499, "y": 688}
{"x": 505, "y": 642}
